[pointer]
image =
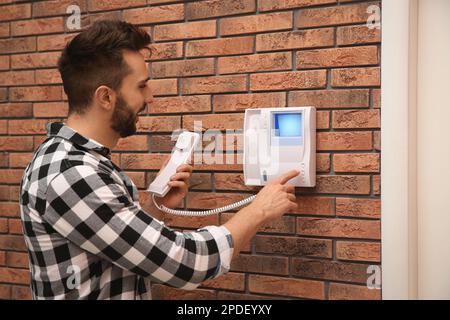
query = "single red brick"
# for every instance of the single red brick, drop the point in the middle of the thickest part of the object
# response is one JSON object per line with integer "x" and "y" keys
{"x": 376, "y": 185}
{"x": 142, "y": 161}
{"x": 377, "y": 140}
{"x": 55, "y": 7}
{"x": 214, "y": 121}
{"x": 34, "y": 60}
{"x": 133, "y": 143}
{"x": 15, "y": 12}
{"x": 13, "y": 275}
{"x": 299, "y": 39}
{"x": 19, "y": 160}
{"x": 54, "y": 41}
{"x": 17, "y": 259}
{"x": 336, "y": 15}
{"x": 16, "y": 78}
{"x": 256, "y": 23}
{"x": 315, "y": 205}
{"x": 254, "y": 63}
{"x": 376, "y": 98}
{"x": 286, "y": 286}
{"x": 10, "y": 209}
{"x": 16, "y": 143}
{"x": 5, "y": 291}
{"x": 266, "y": 5}
{"x": 260, "y": 264}
{"x": 154, "y": 14}
{"x": 161, "y": 292}
{"x": 339, "y": 291}
{"x": 218, "y": 8}
{"x": 166, "y": 50}
{"x": 23, "y": 44}
{"x": 240, "y": 102}
{"x": 356, "y": 162}
{"x": 356, "y": 77}
{"x": 190, "y": 30}
{"x": 100, "y": 5}
{"x": 344, "y": 140}
{"x": 4, "y": 30}
{"x": 37, "y": 26}
{"x": 42, "y": 93}
{"x": 231, "y": 181}
{"x": 48, "y": 76}
{"x": 343, "y": 119}
{"x": 3, "y": 225}
{"x": 159, "y": 124}
{"x": 16, "y": 110}
{"x": 288, "y": 80}
{"x": 329, "y": 270}
{"x": 294, "y": 246}
{"x": 337, "y": 57}
{"x": 4, "y": 62}
{"x": 50, "y": 109}
{"x": 358, "y": 251}
{"x": 28, "y": 126}
{"x": 214, "y": 84}
{"x": 21, "y": 293}
{"x": 9, "y": 242}
{"x": 164, "y": 87}
{"x": 219, "y": 47}
{"x": 181, "y": 104}
{"x": 343, "y": 228}
{"x": 358, "y": 208}
{"x": 183, "y": 68}
{"x": 340, "y": 185}
{"x": 229, "y": 281}
{"x": 355, "y": 98}
{"x": 349, "y": 35}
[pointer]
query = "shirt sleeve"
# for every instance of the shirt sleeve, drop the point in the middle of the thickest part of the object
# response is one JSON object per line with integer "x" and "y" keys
{"x": 94, "y": 211}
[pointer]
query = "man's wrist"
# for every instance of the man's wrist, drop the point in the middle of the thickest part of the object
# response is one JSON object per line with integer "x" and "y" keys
{"x": 254, "y": 214}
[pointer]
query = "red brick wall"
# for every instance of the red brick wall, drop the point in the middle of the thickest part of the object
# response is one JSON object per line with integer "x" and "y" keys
{"x": 212, "y": 60}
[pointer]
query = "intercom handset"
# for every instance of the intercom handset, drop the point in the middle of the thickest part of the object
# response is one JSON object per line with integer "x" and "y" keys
{"x": 277, "y": 140}
{"x": 186, "y": 143}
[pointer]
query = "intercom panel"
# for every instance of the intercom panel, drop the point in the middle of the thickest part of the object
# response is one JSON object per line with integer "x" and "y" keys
{"x": 277, "y": 140}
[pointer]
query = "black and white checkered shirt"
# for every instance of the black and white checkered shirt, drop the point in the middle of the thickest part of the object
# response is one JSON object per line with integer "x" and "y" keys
{"x": 88, "y": 237}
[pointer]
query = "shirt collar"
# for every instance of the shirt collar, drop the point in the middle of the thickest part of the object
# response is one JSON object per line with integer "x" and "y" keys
{"x": 60, "y": 129}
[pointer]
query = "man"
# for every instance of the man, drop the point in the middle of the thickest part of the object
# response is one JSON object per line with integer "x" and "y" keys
{"x": 86, "y": 233}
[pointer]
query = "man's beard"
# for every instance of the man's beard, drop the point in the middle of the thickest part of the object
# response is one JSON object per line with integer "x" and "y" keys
{"x": 123, "y": 119}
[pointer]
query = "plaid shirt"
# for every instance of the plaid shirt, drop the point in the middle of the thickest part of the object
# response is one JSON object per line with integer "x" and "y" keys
{"x": 89, "y": 238}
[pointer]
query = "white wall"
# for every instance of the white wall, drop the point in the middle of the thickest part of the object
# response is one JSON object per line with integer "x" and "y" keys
{"x": 433, "y": 149}
{"x": 415, "y": 158}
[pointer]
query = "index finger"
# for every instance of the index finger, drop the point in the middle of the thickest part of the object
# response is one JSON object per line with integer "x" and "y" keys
{"x": 286, "y": 177}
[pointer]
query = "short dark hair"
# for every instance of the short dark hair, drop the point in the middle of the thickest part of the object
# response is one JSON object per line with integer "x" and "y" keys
{"x": 95, "y": 57}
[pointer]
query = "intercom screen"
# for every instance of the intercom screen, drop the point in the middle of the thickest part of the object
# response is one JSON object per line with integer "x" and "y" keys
{"x": 288, "y": 124}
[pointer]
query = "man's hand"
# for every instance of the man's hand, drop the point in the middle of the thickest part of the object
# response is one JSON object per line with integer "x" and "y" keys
{"x": 276, "y": 198}
{"x": 179, "y": 185}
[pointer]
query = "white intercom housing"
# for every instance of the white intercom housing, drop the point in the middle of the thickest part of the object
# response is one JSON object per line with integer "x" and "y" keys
{"x": 277, "y": 140}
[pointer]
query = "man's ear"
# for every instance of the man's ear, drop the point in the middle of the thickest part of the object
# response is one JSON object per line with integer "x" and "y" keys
{"x": 105, "y": 97}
